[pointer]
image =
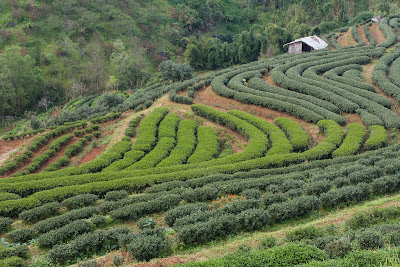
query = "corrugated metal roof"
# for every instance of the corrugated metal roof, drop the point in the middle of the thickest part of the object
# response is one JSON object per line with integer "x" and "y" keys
{"x": 313, "y": 41}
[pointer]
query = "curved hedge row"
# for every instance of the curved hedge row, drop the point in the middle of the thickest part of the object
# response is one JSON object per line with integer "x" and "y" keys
{"x": 38, "y": 142}
{"x": 352, "y": 142}
{"x": 379, "y": 74}
{"x": 257, "y": 140}
{"x": 129, "y": 159}
{"x": 261, "y": 85}
{"x": 296, "y": 135}
{"x": 339, "y": 74}
{"x": 155, "y": 156}
{"x": 168, "y": 126}
{"x": 71, "y": 151}
{"x": 64, "y": 233}
{"x": 39, "y": 160}
{"x": 294, "y": 81}
{"x": 105, "y": 118}
{"x": 354, "y": 75}
{"x": 317, "y": 106}
{"x": 147, "y": 130}
{"x": 390, "y": 35}
{"x": 390, "y": 119}
{"x": 377, "y": 137}
{"x": 185, "y": 146}
{"x": 131, "y": 129}
{"x": 135, "y": 183}
{"x": 207, "y": 145}
{"x": 356, "y": 36}
{"x": 369, "y": 36}
{"x": 394, "y": 76}
{"x": 279, "y": 142}
{"x": 368, "y": 118}
{"x": 334, "y": 136}
{"x": 293, "y": 106}
{"x": 19, "y": 135}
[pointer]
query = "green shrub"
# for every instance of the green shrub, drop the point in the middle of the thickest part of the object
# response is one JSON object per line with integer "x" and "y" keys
{"x": 65, "y": 233}
{"x": 98, "y": 220}
{"x": 377, "y": 137}
{"x": 13, "y": 262}
{"x": 182, "y": 210}
{"x": 186, "y": 142}
{"x": 42, "y": 212}
{"x": 118, "y": 260}
{"x": 296, "y": 135}
{"x": 79, "y": 201}
{"x": 304, "y": 233}
{"x": 116, "y": 195}
{"x": 8, "y": 196}
{"x": 253, "y": 193}
{"x": 21, "y": 235}
{"x": 96, "y": 134}
{"x": 352, "y": 142}
{"x": 253, "y": 219}
{"x": 145, "y": 248}
{"x": 338, "y": 248}
{"x": 64, "y": 219}
{"x": 268, "y": 242}
{"x": 369, "y": 239}
{"x": 294, "y": 208}
{"x": 79, "y": 133}
{"x": 5, "y": 224}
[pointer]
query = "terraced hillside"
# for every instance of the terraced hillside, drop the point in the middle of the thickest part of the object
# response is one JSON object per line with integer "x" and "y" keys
{"x": 174, "y": 169}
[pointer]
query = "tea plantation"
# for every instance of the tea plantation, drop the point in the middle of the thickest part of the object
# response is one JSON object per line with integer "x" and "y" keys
{"x": 182, "y": 169}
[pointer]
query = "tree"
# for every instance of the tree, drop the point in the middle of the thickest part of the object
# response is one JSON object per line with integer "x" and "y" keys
{"x": 128, "y": 66}
{"x": 193, "y": 56}
{"x": 249, "y": 47}
{"x": 276, "y": 38}
{"x": 20, "y": 82}
{"x": 174, "y": 72}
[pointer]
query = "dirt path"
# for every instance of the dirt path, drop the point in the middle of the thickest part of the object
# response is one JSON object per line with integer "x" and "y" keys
{"x": 361, "y": 33}
{"x": 377, "y": 33}
{"x": 346, "y": 39}
{"x": 9, "y": 147}
{"x": 367, "y": 76}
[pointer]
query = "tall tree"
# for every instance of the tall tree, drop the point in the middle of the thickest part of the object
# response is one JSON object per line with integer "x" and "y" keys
{"x": 20, "y": 82}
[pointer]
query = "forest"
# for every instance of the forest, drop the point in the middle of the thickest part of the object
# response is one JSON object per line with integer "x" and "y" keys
{"x": 76, "y": 48}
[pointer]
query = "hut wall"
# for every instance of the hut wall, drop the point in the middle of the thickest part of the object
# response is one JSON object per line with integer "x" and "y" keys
{"x": 295, "y": 48}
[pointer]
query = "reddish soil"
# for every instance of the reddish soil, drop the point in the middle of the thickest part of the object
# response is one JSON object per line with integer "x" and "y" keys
{"x": 346, "y": 39}
{"x": 91, "y": 155}
{"x": 8, "y": 147}
{"x": 352, "y": 118}
{"x": 377, "y": 33}
{"x": 361, "y": 33}
{"x": 29, "y": 161}
{"x": 57, "y": 155}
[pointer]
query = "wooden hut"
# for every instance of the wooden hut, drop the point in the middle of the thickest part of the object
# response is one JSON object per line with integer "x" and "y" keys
{"x": 306, "y": 44}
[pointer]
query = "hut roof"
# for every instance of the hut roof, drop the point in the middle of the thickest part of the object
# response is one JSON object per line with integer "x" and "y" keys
{"x": 313, "y": 41}
{"x": 376, "y": 19}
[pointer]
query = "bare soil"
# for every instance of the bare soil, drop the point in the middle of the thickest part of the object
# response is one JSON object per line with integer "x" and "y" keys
{"x": 9, "y": 147}
{"x": 346, "y": 39}
{"x": 367, "y": 75}
{"x": 377, "y": 33}
{"x": 59, "y": 153}
{"x": 361, "y": 33}
{"x": 91, "y": 155}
